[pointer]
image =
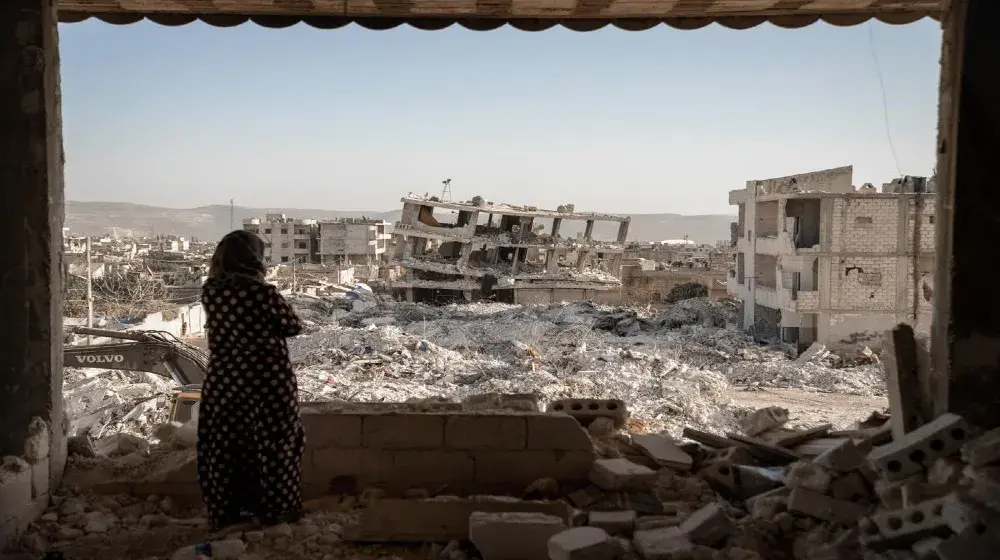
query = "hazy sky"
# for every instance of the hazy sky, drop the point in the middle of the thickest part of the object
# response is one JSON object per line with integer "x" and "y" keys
{"x": 654, "y": 121}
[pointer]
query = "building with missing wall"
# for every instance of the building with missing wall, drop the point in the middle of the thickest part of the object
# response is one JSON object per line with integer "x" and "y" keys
{"x": 820, "y": 261}
{"x": 460, "y": 251}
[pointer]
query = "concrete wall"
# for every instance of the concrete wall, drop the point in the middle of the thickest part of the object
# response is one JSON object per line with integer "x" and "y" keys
{"x": 546, "y": 296}
{"x": 460, "y": 453}
{"x": 186, "y": 321}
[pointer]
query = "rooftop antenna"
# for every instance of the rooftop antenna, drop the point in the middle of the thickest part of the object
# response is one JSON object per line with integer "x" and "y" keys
{"x": 446, "y": 191}
{"x": 232, "y": 219}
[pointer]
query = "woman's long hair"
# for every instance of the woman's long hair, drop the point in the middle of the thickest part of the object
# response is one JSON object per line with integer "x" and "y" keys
{"x": 240, "y": 253}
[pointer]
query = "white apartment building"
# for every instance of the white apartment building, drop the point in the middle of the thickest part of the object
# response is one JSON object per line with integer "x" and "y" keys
{"x": 818, "y": 261}
{"x": 286, "y": 240}
{"x": 340, "y": 241}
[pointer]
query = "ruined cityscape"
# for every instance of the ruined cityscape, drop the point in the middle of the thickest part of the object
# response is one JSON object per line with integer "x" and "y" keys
{"x": 489, "y": 379}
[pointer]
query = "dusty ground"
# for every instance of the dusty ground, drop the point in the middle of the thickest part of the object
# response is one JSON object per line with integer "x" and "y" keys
{"x": 808, "y": 408}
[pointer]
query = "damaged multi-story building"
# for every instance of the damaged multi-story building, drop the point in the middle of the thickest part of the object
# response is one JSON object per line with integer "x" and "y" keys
{"x": 515, "y": 254}
{"x": 820, "y": 261}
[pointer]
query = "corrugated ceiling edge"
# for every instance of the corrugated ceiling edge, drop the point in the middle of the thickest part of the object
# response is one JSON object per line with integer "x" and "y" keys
{"x": 487, "y": 24}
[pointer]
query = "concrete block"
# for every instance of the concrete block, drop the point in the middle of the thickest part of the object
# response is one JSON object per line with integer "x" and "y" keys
{"x": 441, "y": 519}
{"x": 807, "y": 475}
{"x": 586, "y": 496}
{"x": 814, "y": 504}
{"x": 320, "y": 466}
{"x": 513, "y": 535}
{"x": 984, "y": 450}
{"x": 556, "y": 431}
{"x": 475, "y": 432}
{"x": 40, "y": 478}
{"x": 842, "y": 458}
{"x": 36, "y": 447}
{"x": 402, "y": 431}
{"x": 375, "y": 466}
{"x": 734, "y": 455}
{"x": 708, "y": 526}
{"x": 738, "y": 482}
{"x": 919, "y": 449}
{"x": 926, "y": 549}
{"x": 904, "y": 527}
{"x": 969, "y": 545}
{"x": 581, "y": 543}
{"x": 662, "y": 451}
{"x": 621, "y": 474}
{"x": 331, "y": 429}
{"x": 667, "y": 543}
{"x": 514, "y": 468}
{"x": 422, "y": 468}
{"x": 585, "y": 410}
{"x": 945, "y": 471}
{"x": 614, "y": 522}
{"x": 764, "y": 419}
{"x": 851, "y": 487}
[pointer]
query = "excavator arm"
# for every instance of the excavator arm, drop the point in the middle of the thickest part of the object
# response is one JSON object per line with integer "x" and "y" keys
{"x": 149, "y": 351}
{"x": 154, "y": 352}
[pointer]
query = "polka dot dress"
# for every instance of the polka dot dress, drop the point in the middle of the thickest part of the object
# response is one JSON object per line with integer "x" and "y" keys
{"x": 250, "y": 438}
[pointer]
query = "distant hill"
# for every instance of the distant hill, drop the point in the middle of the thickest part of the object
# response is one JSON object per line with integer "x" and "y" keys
{"x": 212, "y": 222}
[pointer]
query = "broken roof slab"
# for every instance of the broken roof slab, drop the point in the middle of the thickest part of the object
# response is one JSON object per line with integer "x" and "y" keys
{"x": 483, "y": 15}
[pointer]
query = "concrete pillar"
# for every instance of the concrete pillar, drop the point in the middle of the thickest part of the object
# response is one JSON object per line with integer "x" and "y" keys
{"x": 31, "y": 162}
{"x": 556, "y": 223}
{"x": 623, "y": 232}
{"x": 589, "y": 231}
{"x": 581, "y": 259}
{"x": 966, "y": 327}
{"x": 551, "y": 259}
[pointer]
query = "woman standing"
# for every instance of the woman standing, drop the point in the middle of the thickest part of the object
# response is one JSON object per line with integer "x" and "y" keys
{"x": 250, "y": 438}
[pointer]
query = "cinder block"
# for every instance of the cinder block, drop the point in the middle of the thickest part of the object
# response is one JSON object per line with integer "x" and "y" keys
{"x": 708, "y": 526}
{"x": 851, "y": 487}
{"x": 621, "y": 475}
{"x": 904, "y": 527}
{"x": 574, "y": 466}
{"x": 662, "y": 451}
{"x": 513, "y": 535}
{"x": 518, "y": 468}
{"x": 662, "y": 544}
{"x": 441, "y": 519}
{"x": 823, "y": 507}
{"x": 556, "y": 431}
{"x": 486, "y": 431}
{"x": 331, "y": 429}
{"x": 842, "y": 458}
{"x": 375, "y": 467}
{"x": 581, "y": 543}
{"x": 919, "y": 449}
{"x": 585, "y": 410}
{"x": 613, "y": 522}
{"x": 419, "y": 468}
{"x": 402, "y": 431}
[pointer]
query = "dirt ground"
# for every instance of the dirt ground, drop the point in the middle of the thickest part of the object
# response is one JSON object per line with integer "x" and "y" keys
{"x": 809, "y": 408}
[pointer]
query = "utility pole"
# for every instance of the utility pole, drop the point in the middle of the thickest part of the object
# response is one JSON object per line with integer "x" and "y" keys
{"x": 232, "y": 219}
{"x": 293, "y": 274}
{"x": 90, "y": 293}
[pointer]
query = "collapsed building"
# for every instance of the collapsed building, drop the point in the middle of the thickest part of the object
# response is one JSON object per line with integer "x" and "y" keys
{"x": 504, "y": 252}
{"x": 818, "y": 261}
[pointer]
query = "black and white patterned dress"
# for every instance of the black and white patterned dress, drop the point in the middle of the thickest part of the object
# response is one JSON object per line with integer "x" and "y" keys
{"x": 250, "y": 438}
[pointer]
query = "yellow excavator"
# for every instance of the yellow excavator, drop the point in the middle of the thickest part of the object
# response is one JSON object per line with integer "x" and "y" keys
{"x": 156, "y": 352}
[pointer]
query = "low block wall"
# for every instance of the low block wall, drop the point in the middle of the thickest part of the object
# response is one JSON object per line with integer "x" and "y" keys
{"x": 441, "y": 450}
{"x": 453, "y": 452}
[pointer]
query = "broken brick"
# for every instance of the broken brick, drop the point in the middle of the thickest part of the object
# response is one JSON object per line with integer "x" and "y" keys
{"x": 621, "y": 474}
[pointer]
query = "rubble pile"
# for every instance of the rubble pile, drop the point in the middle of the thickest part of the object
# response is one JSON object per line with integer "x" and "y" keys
{"x": 760, "y": 492}
{"x": 675, "y": 368}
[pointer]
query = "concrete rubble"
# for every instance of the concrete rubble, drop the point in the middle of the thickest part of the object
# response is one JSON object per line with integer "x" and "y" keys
{"x": 790, "y": 494}
{"x": 674, "y": 369}
{"x": 638, "y": 453}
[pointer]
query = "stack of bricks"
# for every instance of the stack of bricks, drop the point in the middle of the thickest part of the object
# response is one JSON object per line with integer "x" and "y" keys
{"x": 462, "y": 452}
